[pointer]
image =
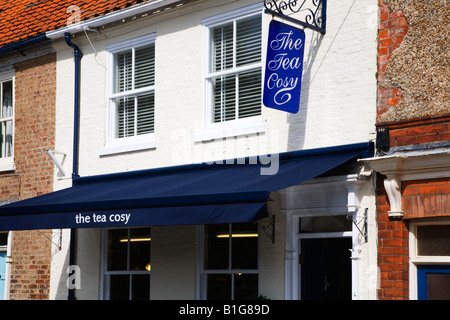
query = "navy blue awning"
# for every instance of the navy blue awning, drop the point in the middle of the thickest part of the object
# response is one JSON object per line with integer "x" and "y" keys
{"x": 234, "y": 191}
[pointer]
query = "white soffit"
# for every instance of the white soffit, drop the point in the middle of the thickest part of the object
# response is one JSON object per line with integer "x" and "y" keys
{"x": 413, "y": 165}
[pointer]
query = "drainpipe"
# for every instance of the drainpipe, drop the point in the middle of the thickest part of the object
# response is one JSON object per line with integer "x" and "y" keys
{"x": 77, "y": 54}
{"x": 76, "y": 136}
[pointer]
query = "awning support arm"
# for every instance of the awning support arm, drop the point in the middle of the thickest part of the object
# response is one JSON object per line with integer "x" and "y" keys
{"x": 269, "y": 228}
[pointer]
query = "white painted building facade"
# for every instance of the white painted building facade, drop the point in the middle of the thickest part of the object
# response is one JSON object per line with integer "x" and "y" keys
{"x": 338, "y": 107}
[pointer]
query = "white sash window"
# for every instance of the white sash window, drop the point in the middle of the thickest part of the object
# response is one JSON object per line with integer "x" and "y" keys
{"x": 131, "y": 101}
{"x": 134, "y": 95}
{"x": 7, "y": 121}
{"x": 6, "y": 118}
{"x": 233, "y": 73}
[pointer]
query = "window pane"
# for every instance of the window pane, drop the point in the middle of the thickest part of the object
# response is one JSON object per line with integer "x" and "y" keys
{"x": 438, "y": 286}
{"x": 140, "y": 249}
{"x": 224, "y": 98}
{"x": 125, "y": 116}
{"x": 433, "y": 240}
{"x": 3, "y": 238}
{"x": 219, "y": 286}
{"x": 216, "y": 246}
{"x": 7, "y": 100}
{"x": 325, "y": 224}
{"x": 244, "y": 246}
{"x": 245, "y": 286}
{"x": 144, "y": 67}
{"x": 124, "y": 71}
{"x": 117, "y": 249}
{"x": 248, "y": 41}
{"x": 250, "y": 94}
{"x": 140, "y": 287}
{"x": 222, "y": 48}
{"x": 145, "y": 113}
{"x": 119, "y": 287}
{"x": 6, "y": 129}
{"x": 233, "y": 48}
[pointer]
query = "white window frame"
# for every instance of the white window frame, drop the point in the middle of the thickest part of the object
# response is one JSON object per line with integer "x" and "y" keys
{"x": 245, "y": 126}
{"x": 115, "y": 145}
{"x": 7, "y": 248}
{"x": 416, "y": 260}
{"x": 201, "y": 272}
{"x": 7, "y": 164}
{"x": 105, "y": 274}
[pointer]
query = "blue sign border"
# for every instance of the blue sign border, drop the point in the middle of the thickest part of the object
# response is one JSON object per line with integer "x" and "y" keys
{"x": 284, "y": 67}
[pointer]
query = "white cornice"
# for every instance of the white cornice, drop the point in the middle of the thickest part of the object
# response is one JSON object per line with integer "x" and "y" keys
{"x": 411, "y": 165}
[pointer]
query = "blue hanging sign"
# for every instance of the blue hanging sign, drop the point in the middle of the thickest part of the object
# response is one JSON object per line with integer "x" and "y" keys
{"x": 284, "y": 66}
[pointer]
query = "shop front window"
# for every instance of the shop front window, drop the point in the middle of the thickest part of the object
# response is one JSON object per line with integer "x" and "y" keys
{"x": 128, "y": 268}
{"x": 230, "y": 262}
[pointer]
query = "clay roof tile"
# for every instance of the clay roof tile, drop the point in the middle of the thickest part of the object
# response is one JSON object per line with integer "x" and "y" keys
{"x": 25, "y": 19}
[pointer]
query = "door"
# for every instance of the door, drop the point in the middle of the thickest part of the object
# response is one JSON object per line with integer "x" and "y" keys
{"x": 433, "y": 282}
{"x": 2, "y": 274}
{"x": 325, "y": 269}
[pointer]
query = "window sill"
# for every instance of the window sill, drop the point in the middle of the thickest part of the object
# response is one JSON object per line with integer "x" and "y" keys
{"x": 230, "y": 129}
{"x": 7, "y": 164}
{"x": 130, "y": 144}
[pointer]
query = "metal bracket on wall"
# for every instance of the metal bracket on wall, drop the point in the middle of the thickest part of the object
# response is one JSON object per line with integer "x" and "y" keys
{"x": 58, "y": 244}
{"x": 356, "y": 223}
{"x": 309, "y": 13}
{"x": 269, "y": 228}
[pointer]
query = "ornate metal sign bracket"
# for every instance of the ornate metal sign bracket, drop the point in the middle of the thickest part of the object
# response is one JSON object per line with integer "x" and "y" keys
{"x": 309, "y": 13}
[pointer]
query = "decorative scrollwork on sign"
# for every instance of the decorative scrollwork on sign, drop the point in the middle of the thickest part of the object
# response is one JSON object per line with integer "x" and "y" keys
{"x": 308, "y": 13}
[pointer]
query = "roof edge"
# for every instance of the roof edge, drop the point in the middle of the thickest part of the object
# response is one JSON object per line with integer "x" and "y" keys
{"x": 114, "y": 16}
{"x": 23, "y": 43}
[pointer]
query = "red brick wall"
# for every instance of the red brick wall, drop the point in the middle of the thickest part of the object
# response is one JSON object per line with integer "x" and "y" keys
{"x": 35, "y": 89}
{"x": 35, "y": 123}
{"x": 418, "y": 131}
{"x": 392, "y": 234}
{"x": 426, "y": 198}
{"x": 392, "y": 251}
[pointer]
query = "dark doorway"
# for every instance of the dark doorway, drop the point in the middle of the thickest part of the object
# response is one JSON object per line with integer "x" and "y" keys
{"x": 326, "y": 269}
